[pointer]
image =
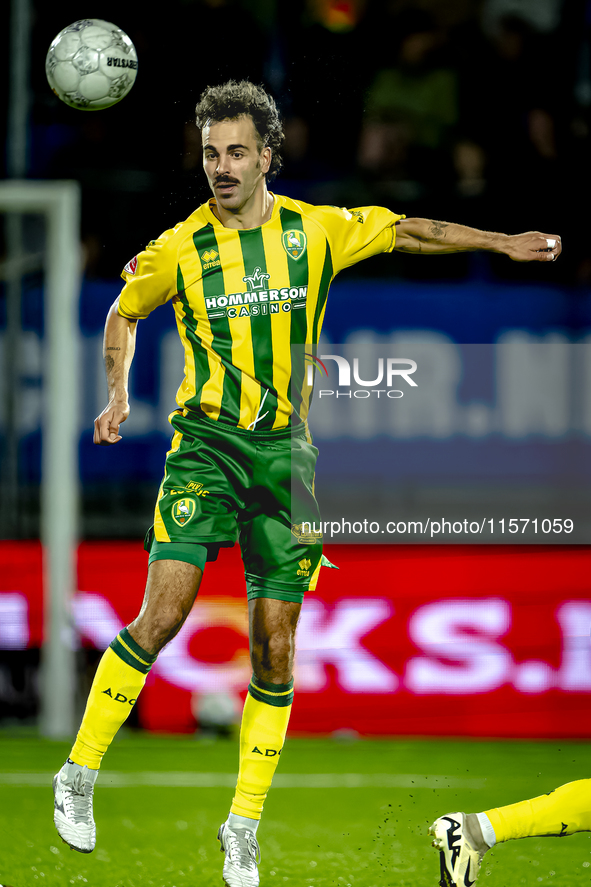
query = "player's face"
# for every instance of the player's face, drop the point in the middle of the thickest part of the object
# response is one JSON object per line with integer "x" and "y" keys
{"x": 233, "y": 165}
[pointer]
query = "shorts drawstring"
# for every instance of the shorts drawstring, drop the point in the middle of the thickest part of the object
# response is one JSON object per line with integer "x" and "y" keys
{"x": 258, "y": 416}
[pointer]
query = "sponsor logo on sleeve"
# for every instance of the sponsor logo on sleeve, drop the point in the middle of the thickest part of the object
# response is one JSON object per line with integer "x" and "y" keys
{"x": 131, "y": 266}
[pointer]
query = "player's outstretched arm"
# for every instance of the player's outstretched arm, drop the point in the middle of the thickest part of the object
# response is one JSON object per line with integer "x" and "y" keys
{"x": 118, "y": 351}
{"x": 430, "y": 237}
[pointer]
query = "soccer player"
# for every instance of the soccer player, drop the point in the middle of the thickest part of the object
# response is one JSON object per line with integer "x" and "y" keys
{"x": 248, "y": 275}
{"x": 464, "y": 839}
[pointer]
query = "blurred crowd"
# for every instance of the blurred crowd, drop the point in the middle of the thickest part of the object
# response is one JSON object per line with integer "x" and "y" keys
{"x": 474, "y": 111}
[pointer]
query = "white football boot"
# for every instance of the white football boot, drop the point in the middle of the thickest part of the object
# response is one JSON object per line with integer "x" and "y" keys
{"x": 460, "y": 860}
{"x": 73, "y": 787}
{"x": 242, "y": 856}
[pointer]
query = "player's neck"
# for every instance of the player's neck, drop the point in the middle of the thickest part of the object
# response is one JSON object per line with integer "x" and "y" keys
{"x": 256, "y": 212}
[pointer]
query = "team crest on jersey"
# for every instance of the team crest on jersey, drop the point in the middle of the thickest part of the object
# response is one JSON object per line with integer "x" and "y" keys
{"x": 131, "y": 266}
{"x": 182, "y": 511}
{"x": 294, "y": 243}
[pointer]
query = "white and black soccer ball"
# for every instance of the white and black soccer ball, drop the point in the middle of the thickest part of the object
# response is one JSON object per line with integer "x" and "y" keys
{"x": 91, "y": 64}
{"x": 216, "y": 712}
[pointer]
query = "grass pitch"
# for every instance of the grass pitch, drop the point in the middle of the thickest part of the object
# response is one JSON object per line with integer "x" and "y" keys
{"x": 348, "y": 814}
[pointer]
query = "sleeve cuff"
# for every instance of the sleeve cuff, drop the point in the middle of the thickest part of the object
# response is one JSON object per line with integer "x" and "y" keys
{"x": 393, "y": 234}
{"x": 128, "y": 316}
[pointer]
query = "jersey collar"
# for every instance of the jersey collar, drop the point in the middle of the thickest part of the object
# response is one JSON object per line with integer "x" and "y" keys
{"x": 213, "y": 219}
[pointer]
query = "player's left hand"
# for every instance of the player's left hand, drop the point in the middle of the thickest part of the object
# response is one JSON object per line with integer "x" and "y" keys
{"x": 533, "y": 247}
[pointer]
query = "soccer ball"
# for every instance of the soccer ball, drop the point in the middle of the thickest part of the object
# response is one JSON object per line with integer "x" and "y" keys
{"x": 91, "y": 65}
{"x": 216, "y": 712}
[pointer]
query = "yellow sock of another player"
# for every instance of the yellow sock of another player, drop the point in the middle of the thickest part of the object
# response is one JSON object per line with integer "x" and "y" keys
{"x": 264, "y": 724}
{"x": 120, "y": 676}
{"x": 564, "y": 811}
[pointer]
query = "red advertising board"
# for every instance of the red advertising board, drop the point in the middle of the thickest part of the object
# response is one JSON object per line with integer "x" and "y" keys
{"x": 453, "y": 640}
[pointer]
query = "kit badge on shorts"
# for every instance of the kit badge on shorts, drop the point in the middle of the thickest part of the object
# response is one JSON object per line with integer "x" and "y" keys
{"x": 182, "y": 511}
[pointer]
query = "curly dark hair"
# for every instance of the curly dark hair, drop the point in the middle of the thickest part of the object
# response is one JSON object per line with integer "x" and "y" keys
{"x": 240, "y": 97}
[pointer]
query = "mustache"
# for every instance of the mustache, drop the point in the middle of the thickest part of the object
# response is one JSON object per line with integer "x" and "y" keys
{"x": 226, "y": 180}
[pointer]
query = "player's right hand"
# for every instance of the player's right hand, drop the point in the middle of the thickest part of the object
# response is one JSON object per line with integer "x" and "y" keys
{"x": 106, "y": 426}
{"x": 533, "y": 246}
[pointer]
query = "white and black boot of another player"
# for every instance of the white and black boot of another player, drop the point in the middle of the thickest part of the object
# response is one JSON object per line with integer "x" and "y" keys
{"x": 242, "y": 856}
{"x": 460, "y": 860}
{"x": 73, "y": 787}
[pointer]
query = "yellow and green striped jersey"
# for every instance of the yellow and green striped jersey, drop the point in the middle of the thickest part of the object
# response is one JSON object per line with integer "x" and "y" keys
{"x": 243, "y": 297}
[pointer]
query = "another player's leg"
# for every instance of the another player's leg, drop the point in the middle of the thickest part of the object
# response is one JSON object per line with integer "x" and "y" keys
{"x": 170, "y": 592}
{"x": 264, "y": 725}
{"x": 462, "y": 839}
{"x": 561, "y": 812}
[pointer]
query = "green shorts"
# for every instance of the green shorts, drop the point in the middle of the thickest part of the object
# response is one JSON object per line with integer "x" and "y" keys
{"x": 223, "y": 483}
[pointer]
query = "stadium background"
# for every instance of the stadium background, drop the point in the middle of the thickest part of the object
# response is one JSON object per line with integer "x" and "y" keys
{"x": 466, "y": 111}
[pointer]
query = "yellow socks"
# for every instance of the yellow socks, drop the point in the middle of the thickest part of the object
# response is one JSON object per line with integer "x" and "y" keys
{"x": 262, "y": 734}
{"x": 120, "y": 676}
{"x": 564, "y": 811}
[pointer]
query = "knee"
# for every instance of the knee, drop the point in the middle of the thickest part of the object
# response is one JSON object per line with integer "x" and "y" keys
{"x": 153, "y": 631}
{"x": 272, "y": 658}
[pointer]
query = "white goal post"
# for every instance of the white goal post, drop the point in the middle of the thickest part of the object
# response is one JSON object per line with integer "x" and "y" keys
{"x": 59, "y": 202}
